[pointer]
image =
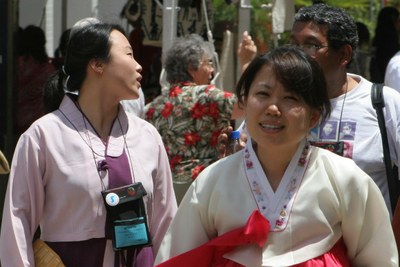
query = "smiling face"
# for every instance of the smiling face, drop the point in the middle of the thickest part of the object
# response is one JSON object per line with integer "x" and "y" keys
{"x": 122, "y": 72}
{"x": 275, "y": 117}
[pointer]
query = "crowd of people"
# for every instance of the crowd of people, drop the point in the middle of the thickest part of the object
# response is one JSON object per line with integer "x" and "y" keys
{"x": 97, "y": 172}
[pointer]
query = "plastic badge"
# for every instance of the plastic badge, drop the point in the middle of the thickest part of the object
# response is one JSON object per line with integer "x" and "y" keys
{"x": 127, "y": 215}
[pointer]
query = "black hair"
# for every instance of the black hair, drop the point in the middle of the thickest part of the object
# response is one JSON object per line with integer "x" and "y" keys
{"x": 85, "y": 44}
{"x": 91, "y": 41}
{"x": 342, "y": 29}
{"x": 33, "y": 43}
{"x": 296, "y": 71}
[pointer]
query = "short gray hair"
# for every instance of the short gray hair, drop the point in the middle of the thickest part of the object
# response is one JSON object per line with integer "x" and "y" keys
{"x": 186, "y": 52}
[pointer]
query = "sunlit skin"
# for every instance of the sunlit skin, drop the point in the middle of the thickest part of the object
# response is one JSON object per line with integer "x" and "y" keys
{"x": 277, "y": 120}
{"x": 122, "y": 72}
{"x": 107, "y": 83}
{"x": 333, "y": 62}
{"x": 204, "y": 74}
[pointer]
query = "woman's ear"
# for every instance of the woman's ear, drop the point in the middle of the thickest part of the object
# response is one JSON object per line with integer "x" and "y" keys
{"x": 314, "y": 118}
{"x": 97, "y": 66}
{"x": 191, "y": 71}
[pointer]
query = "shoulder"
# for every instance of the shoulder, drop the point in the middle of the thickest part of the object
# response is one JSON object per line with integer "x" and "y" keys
{"x": 340, "y": 170}
{"x": 391, "y": 94}
{"x": 140, "y": 125}
{"x": 221, "y": 172}
{"x": 48, "y": 128}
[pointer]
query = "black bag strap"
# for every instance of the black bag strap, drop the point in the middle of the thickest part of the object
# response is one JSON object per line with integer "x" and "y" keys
{"x": 378, "y": 103}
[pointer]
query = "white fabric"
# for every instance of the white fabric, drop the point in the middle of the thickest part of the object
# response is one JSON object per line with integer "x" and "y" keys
{"x": 364, "y": 143}
{"x": 282, "y": 15}
{"x": 228, "y": 62}
{"x": 392, "y": 74}
{"x": 54, "y": 182}
{"x": 335, "y": 199}
{"x": 283, "y": 198}
{"x": 135, "y": 106}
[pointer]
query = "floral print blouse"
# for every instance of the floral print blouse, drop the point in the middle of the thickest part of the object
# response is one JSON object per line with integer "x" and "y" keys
{"x": 189, "y": 118}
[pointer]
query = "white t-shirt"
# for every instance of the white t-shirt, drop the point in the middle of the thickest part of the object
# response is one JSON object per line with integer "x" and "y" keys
{"x": 392, "y": 74}
{"x": 356, "y": 124}
{"x": 135, "y": 106}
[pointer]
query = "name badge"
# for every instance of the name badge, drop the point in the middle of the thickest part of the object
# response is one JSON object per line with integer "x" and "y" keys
{"x": 127, "y": 216}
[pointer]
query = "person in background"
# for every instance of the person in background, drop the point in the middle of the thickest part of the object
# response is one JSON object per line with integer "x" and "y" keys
{"x": 392, "y": 74}
{"x": 67, "y": 160}
{"x": 329, "y": 35}
{"x": 385, "y": 42}
{"x": 362, "y": 55}
{"x": 61, "y": 50}
{"x": 34, "y": 69}
{"x": 191, "y": 113}
{"x": 320, "y": 207}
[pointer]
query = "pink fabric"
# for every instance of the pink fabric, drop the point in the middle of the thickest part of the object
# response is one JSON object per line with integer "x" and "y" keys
{"x": 211, "y": 253}
{"x": 336, "y": 257}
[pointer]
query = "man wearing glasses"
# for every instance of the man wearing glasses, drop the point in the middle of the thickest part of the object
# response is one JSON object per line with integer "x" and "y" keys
{"x": 329, "y": 35}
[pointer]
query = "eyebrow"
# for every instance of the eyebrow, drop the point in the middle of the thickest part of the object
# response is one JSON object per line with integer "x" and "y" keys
{"x": 263, "y": 85}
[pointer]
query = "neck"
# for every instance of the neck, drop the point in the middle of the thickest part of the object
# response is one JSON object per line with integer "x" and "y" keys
{"x": 100, "y": 112}
{"x": 275, "y": 162}
{"x": 341, "y": 86}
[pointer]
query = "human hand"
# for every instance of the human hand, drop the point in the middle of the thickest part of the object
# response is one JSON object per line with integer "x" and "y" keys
{"x": 223, "y": 142}
{"x": 247, "y": 50}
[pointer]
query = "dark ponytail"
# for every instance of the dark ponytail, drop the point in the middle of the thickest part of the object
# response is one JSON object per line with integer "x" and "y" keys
{"x": 53, "y": 92}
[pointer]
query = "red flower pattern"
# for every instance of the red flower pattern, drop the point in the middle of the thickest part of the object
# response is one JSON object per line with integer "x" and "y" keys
{"x": 174, "y": 161}
{"x": 198, "y": 110}
{"x": 196, "y": 171}
{"x": 175, "y": 91}
{"x": 150, "y": 113}
{"x": 213, "y": 110}
{"x": 167, "y": 110}
{"x": 214, "y": 138}
{"x": 191, "y": 139}
{"x": 228, "y": 94}
{"x": 190, "y": 125}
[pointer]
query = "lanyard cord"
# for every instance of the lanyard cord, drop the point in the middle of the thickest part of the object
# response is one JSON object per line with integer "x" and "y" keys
{"x": 89, "y": 144}
{"x": 341, "y": 111}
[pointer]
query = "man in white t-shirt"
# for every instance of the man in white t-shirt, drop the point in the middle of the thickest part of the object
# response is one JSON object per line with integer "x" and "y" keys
{"x": 392, "y": 74}
{"x": 329, "y": 35}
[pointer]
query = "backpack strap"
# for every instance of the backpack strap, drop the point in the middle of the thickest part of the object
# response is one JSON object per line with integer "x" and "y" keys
{"x": 378, "y": 103}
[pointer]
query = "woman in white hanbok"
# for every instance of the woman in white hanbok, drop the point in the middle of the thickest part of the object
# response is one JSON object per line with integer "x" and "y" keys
{"x": 281, "y": 201}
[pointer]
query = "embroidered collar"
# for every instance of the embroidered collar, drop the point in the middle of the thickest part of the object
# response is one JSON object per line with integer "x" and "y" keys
{"x": 276, "y": 206}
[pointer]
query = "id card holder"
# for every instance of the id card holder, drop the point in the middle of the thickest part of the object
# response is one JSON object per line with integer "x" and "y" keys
{"x": 127, "y": 216}
{"x": 335, "y": 147}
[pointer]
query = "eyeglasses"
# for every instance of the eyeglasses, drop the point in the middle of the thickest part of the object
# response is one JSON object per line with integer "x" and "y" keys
{"x": 207, "y": 62}
{"x": 311, "y": 49}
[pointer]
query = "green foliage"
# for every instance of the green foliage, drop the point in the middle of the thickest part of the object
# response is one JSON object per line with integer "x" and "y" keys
{"x": 365, "y": 11}
{"x": 224, "y": 12}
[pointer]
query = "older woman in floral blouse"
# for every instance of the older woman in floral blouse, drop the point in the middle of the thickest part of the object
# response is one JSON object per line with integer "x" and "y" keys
{"x": 191, "y": 112}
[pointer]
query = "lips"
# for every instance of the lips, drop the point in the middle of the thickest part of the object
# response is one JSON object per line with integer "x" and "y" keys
{"x": 271, "y": 126}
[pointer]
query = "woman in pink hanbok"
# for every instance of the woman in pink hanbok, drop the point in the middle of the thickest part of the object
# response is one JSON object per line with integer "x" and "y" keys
{"x": 95, "y": 178}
